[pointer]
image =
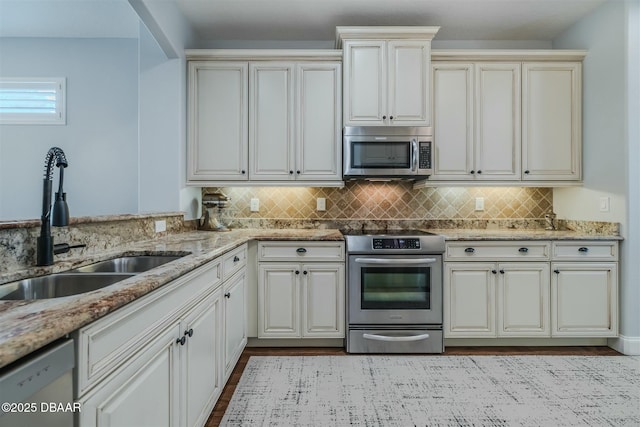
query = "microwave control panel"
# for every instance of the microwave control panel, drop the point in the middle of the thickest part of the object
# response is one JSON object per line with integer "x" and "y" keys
{"x": 425, "y": 155}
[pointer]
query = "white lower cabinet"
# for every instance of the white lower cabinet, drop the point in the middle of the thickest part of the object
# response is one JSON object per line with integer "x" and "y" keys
{"x": 163, "y": 359}
{"x": 235, "y": 315}
{"x": 179, "y": 369}
{"x": 585, "y": 299}
{"x": 301, "y": 300}
{"x": 496, "y": 299}
{"x": 577, "y": 297}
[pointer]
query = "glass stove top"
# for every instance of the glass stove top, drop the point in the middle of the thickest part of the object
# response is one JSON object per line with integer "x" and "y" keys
{"x": 393, "y": 233}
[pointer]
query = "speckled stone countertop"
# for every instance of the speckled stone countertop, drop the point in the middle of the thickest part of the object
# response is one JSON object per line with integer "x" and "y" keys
{"x": 520, "y": 234}
{"x": 26, "y": 326}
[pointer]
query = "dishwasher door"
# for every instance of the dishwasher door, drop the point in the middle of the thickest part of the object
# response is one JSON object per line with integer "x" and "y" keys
{"x": 38, "y": 389}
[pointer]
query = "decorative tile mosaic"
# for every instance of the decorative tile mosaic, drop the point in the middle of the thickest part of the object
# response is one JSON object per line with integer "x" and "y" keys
{"x": 387, "y": 201}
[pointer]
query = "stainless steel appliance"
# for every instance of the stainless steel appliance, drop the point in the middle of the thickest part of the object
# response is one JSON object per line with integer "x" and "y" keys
{"x": 394, "y": 152}
{"x": 38, "y": 390}
{"x": 394, "y": 292}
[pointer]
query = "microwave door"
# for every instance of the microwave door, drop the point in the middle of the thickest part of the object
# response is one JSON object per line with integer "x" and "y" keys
{"x": 383, "y": 158}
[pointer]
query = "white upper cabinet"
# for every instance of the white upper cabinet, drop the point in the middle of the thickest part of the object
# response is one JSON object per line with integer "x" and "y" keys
{"x": 319, "y": 120}
{"x": 497, "y": 121}
{"x": 271, "y": 115}
{"x": 507, "y": 117}
{"x": 476, "y": 121}
{"x": 274, "y": 118}
{"x": 552, "y": 121}
{"x": 218, "y": 115}
{"x": 386, "y": 75}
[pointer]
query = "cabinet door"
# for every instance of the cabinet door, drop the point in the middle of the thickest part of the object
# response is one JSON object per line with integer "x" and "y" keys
{"x": 278, "y": 300}
{"x": 319, "y": 132}
{"x": 144, "y": 393}
{"x": 584, "y": 299}
{"x": 201, "y": 370}
{"x": 271, "y": 98}
{"x": 235, "y": 321}
{"x": 552, "y": 121}
{"x": 497, "y": 121}
{"x": 218, "y": 121}
{"x": 409, "y": 65}
{"x": 323, "y": 300}
{"x": 365, "y": 83}
{"x": 469, "y": 300}
{"x": 453, "y": 121}
{"x": 523, "y": 300}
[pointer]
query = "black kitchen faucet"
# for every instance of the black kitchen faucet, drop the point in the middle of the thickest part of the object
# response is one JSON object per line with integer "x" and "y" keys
{"x": 60, "y": 215}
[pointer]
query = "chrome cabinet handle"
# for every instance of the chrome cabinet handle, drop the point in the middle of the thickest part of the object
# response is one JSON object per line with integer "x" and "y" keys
{"x": 395, "y": 261}
{"x": 376, "y": 337}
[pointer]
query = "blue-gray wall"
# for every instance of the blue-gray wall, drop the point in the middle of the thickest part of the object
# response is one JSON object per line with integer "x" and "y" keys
{"x": 101, "y": 134}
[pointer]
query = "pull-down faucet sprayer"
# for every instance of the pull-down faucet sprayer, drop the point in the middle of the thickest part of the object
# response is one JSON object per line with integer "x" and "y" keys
{"x": 60, "y": 215}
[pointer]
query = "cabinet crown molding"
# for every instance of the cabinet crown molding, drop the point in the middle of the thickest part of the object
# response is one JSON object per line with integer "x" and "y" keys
{"x": 507, "y": 55}
{"x": 263, "y": 54}
{"x": 387, "y": 33}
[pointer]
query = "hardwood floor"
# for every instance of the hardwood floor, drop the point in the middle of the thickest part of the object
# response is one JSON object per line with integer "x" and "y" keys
{"x": 227, "y": 392}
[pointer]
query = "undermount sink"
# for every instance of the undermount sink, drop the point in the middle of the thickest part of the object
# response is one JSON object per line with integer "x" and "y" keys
{"x": 57, "y": 285}
{"x": 83, "y": 279}
{"x": 127, "y": 264}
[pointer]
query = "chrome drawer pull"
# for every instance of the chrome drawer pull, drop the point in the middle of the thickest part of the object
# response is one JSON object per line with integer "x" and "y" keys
{"x": 396, "y": 339}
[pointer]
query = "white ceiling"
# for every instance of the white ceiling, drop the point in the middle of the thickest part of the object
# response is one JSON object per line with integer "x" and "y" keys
{"x": 300, "y": 20}
{"x": 317, "y": 19}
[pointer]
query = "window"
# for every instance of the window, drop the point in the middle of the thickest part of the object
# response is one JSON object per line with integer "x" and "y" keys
{"x": 32, "y": 101}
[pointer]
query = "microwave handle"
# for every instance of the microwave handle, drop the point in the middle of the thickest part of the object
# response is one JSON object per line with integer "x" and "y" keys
{"x": 414, "y": 155}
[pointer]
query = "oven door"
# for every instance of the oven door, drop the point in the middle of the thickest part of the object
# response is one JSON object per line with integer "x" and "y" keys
{"x": 395, "y": 289}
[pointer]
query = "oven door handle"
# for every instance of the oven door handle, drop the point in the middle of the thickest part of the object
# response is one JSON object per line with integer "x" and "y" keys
{"x": 395, "y": 339}
{"x": 395, "y": 261}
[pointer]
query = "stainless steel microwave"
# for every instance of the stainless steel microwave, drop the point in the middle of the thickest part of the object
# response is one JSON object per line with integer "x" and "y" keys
{"x": 387, "y": 152}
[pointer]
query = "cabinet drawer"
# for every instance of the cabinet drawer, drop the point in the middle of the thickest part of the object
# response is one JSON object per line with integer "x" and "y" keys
{"x": 592, "y": 251}
{"x": 301, "y": 251}
{"x": 234, "y": 261}
{"x": 497, "y": 251}
{"x": 108, "y": 342}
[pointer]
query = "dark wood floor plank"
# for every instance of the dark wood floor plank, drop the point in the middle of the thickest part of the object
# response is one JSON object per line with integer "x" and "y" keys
{"x": 221, "y": 406}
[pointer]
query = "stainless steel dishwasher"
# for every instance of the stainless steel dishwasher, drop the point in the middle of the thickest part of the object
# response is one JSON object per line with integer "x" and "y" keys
{"x": 38, "y": 389}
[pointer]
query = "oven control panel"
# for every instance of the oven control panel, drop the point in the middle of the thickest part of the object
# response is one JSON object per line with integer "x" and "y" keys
{"x": 387, "y": 243}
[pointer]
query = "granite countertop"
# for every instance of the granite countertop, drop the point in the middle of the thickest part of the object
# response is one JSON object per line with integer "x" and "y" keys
{"x": 520, "y": 234}
{"x": 26, "y": 326}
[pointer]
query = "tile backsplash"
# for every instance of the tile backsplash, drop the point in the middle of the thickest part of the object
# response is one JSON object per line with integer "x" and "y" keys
{"x": 386, "y": 201}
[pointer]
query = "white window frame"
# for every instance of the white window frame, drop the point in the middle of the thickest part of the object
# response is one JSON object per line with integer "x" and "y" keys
{"x": 57, "y": 85}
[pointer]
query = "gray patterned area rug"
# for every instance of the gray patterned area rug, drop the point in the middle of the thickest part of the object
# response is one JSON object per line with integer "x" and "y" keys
{"x": 437, "y": 391}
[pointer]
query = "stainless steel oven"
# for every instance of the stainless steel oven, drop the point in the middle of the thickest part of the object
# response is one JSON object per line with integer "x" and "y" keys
{"x": 394, "y": 283}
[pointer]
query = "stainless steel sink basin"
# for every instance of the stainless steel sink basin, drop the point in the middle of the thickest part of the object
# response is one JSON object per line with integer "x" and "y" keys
{"x": 127, "y": 264}
{"x": 57, "y": 285}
